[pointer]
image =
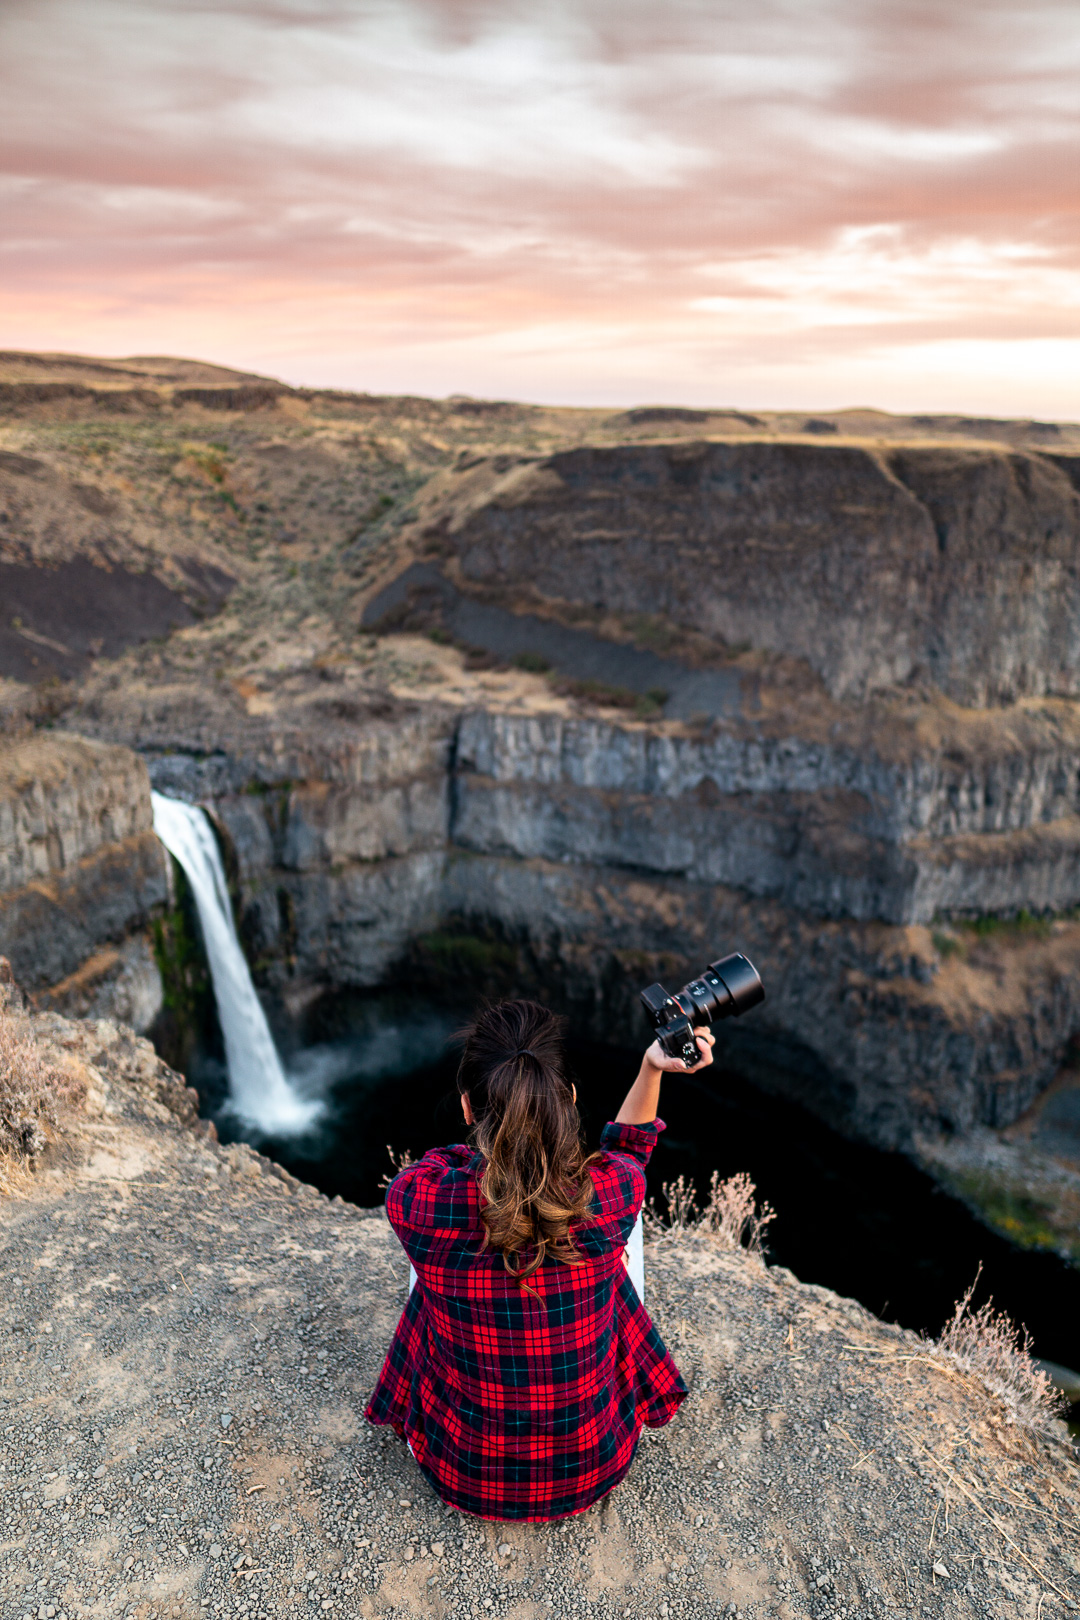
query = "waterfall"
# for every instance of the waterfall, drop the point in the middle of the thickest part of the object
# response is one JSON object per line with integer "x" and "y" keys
{"x": 259, "y": 1091}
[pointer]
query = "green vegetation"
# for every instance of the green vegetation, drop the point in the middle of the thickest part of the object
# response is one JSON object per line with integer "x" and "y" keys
{"x": 179, "y": 952}
{"x": 532, "y": 662}
{"x": 448, "y": 959}
{"x": 209, "y": 459}
{"x": 378, "y": 508}
{"x": 1022, "y": 922}
{"x": 189, "y": 1012}
{"x": 652, "y": 632}
{"x": 1024, "y": 1219}
{"x": 956, "y": 935}
{"x": 643, "y": 707}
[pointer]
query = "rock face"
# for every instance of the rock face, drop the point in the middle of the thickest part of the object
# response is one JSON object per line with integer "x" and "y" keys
{"x": 955, "y": 566}
{"x": 80, "y": 874}
{"x": 895, "y": 827}
{"x": 573, "y": 853}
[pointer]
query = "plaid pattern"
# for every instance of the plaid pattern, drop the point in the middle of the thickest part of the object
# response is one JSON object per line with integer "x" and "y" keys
{"x": 513, "y": 1409}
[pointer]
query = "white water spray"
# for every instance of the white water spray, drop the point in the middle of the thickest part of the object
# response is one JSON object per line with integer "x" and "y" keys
{"x": 259, "y": 1092}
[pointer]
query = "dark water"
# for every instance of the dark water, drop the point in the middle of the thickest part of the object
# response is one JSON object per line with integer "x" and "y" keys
{"x": 865, "y": 1223}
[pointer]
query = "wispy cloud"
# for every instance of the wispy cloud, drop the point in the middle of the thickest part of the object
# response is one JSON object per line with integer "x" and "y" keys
{"x": 770, "y": 201}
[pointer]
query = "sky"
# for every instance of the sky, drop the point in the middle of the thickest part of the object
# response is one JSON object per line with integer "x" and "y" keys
{"x": 780, "y": 204}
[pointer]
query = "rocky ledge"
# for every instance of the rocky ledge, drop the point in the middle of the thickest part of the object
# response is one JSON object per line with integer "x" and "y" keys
{"x": 191, "y": 1336}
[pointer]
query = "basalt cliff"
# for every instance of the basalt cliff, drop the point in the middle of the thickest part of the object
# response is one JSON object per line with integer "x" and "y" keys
{"x": 563, "y": 701}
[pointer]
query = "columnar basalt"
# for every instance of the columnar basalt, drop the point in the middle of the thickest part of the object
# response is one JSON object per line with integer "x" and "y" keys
{"x": 81, "y": 872}
{"x": 849, "y": 828}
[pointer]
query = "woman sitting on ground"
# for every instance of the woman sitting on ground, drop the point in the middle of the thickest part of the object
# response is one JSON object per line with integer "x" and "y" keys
{"x": 525, "y": 1366}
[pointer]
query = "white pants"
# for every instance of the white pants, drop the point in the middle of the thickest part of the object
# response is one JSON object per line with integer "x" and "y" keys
{"x": 635, "y": 1262}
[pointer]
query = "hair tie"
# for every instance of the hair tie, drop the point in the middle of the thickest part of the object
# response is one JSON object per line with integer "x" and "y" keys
{"x": 526, "y": 1051}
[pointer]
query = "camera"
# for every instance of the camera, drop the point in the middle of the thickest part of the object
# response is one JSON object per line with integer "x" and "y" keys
{"x": 725, "y": 989}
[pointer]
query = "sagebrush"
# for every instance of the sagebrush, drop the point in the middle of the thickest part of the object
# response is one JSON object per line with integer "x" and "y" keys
{"x": 989, "y": 1344}
{"x": 400, "y": 1161}
{"x": 32, "y": 1091}
{"x": 732, "y": 1216}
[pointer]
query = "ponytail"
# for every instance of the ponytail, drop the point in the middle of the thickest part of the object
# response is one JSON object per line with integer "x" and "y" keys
{"x": 535, "y": 1180}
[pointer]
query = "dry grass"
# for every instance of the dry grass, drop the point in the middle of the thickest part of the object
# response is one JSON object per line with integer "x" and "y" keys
{"x": 989, "y": 1344}
{"x": 731, "y": 1216}
{"x": 32, "y": 1092}
{"x": 400, "y": 1161}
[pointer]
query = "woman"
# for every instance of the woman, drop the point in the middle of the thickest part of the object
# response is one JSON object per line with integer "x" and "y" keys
{"x": 524, "y": 1365}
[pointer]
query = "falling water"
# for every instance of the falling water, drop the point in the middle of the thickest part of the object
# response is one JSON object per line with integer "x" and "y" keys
{"x": 259, "y": 1092}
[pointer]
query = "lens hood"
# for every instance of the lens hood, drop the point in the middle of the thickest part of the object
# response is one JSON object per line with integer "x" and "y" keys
{"x": 740, "y": 979}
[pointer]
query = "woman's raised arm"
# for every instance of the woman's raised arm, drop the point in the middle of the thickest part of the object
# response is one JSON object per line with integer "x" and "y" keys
{"x": 639, "y": 1106}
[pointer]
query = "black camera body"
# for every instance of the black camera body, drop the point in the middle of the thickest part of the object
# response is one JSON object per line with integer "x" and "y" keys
{"x": 726, "y": 989}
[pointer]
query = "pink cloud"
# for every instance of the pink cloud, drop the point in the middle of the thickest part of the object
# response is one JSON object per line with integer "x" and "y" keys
{"x": 577, "y": 200}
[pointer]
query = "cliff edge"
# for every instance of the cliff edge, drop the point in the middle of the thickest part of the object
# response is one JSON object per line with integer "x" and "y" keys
{"x": 191, "y": 1336}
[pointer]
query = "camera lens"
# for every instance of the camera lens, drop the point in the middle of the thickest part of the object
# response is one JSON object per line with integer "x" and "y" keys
{"x": 706, "y": 996}
{"x": 726, "y": 989}
{"x": 739, "y": 978}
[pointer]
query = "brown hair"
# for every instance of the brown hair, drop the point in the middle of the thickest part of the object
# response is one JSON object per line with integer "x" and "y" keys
{"x": 535, "y": 1180}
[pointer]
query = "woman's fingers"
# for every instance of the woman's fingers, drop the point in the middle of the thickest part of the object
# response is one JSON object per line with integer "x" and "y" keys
{"x": 705, "y": 1040}
{"x": 673, "y": 1065}
{"x": 662, "y": 1060}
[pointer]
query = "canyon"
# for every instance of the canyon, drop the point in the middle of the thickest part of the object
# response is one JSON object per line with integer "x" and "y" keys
{"x": 497, "y": 698}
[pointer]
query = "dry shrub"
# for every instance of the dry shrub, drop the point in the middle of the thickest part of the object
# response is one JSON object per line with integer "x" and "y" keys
{"x": 400, "y": 1161}
{"x": 31, "y": 1093}
{"x": 731, "y": 1217}
{"x": 989, "y": 1344}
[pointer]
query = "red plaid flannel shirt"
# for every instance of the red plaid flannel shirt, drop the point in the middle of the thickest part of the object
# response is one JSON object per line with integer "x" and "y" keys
{"x": 516, "y": 1409}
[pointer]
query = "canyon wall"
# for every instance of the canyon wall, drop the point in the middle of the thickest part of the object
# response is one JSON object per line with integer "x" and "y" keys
{"x": 81, "y": 873}
{"x": 435, "y": 843}
{"x": 896, "y": 827}
{"x": 875, "y": 564}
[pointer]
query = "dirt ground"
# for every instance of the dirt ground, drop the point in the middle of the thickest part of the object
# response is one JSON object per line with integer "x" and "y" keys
{"x": 190, "y": 1337}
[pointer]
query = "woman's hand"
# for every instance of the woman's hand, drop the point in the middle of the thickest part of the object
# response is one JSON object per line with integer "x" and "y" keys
{"x": 643, "y": 1096}
{"x": 673, "y": 1065}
